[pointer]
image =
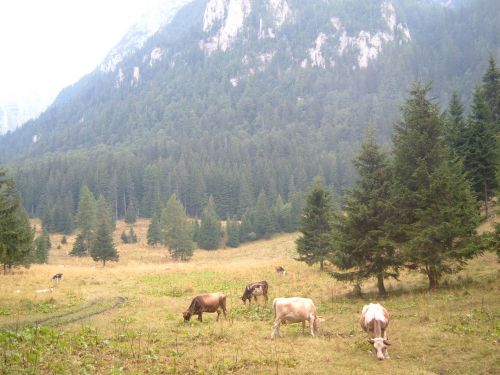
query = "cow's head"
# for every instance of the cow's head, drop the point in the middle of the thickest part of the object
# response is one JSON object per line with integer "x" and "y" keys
{"x": 380, "y": 346}
{"x": 187, "y": 315}
{"x": 317, "y": 321}
{"x": 246, "y": 295}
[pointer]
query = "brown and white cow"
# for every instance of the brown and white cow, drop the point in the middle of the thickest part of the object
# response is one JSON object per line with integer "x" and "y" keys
{"x": 211, "y": 302}
{"x": 294, "y": 310}
{"x": 374, "y": 320}
{"x": 57, "y": 277}
{"x": 258, "y": 288}
{"x": 280, "y": 271}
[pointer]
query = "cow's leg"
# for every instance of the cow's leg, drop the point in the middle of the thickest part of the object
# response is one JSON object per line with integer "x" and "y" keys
{"x": 218, "y": 315}
{"x": 224, "y": 311}
{"x": 276, "y": 329}
{"x": 311, "y": 324}
{"x": 385, "y": 352}
{"x": 303, "y": 326}
{"x": 199, "y": 317}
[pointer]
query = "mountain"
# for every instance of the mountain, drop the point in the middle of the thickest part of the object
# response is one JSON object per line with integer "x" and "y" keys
{"x": 231, "y": 97}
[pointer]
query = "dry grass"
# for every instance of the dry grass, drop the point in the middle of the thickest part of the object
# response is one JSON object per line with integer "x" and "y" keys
{"x": 455, "y": 330}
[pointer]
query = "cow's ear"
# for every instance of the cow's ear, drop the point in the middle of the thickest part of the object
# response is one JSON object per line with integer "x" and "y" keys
{"x": 371, "y": 341}
{"x": 387, "y": 343}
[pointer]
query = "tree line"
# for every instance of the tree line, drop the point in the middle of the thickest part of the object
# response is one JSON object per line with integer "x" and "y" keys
{"x": 418, "y": 206}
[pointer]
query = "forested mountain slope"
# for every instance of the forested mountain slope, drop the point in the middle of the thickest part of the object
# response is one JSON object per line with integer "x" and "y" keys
{"x": 237, "y": 96}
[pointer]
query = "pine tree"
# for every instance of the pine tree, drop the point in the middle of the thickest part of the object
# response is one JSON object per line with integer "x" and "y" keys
{"x": 263, "y": 224}
{"x": 481, "y": 159}
{"x": 16, "y": 234}
{"x": 176, "y": 230}
{"x": 233, "y": 233}
{"x": 434, "y": 210}
{"x": 154, "y": 231}
{"x": 456, "y": 126}
{"x": 102, "y": 248}
{"x": 87, "y": 215}
{"x": 105, "y": 213}
{"x": 315, "y": 244}
{"x": 491, "y": 85}
{"x": 42, "y": 247}
{"x": 131, "y": 214}
{"x": 362, "y": 245}
{"x": 79, "y": 248}
{"x": 208, "y": 237}
{"x": 247, "y": 229}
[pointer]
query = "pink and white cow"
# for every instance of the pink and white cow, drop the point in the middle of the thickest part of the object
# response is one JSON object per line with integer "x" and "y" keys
{"x": 374, "y": 320}
{"x": 294, "y": 310}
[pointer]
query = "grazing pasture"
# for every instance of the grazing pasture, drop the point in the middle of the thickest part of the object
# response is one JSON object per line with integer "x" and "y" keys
{"x": 127, "y": 317}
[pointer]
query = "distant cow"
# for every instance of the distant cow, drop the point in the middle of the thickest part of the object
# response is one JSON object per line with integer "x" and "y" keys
{"x": 374, "y": 320}
{"x": 211, "y": 302}
{"x": 258, "y": 288}
{"x": 280, "y": 270}
{"x": 294, "y": 310}
{"x": 57, "y": 277}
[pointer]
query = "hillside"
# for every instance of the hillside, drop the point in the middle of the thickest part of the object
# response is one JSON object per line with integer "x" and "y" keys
{"x": 234, "y": 97}
{"x": 126, "y": 318}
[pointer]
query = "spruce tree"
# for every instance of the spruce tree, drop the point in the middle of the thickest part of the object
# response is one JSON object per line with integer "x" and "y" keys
{"x": 176, "y": 230}
{"x": 16, "y": 234}
{"x": 456, "y": 126}
{"x": 154, "y": 231}
{"x": 87, "y": 215}
{"x": 102, "y": 248}
{"x": 481, "y": 159}
{"x": 263, "y": 224}
{"x": 247, "y": 229}
{"x": 315, "y": 244}
{"x": 131, "y": 214}
{"x": 434, "y": 209}
{"x": 208, "y": 237}
{"x": 79, "y": 248}
{"x": 233, "y": 233}
{"x": 491, "y": 86}
{"x": 42, "y": 247}
{"x": 362, "y": 245}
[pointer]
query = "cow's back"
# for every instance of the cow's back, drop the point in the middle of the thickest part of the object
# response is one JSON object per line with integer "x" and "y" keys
{"x": 295, "y": 308}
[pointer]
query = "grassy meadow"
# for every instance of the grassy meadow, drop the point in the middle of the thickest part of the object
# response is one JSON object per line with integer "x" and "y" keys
{"x": 126, "y": 318}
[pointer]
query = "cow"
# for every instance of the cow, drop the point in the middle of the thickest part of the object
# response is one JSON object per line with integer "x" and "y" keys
{"x": 294, "y": 310}
{"x": 57, "y": 277}
{"x": 374, "y": 320}
{"x": 211, "y": 302}
{"x": 258, "y": 288}
{"x": 280, "y": 271}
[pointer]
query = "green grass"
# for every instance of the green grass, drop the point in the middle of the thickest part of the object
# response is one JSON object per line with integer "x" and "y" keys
{"x": 455, "y": 330}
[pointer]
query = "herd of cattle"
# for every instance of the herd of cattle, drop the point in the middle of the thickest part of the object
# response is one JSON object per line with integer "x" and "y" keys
{"x": 374, "y": 317}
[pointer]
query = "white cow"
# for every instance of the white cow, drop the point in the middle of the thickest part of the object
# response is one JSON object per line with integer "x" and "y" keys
{"x": 294, "y": 310}
{"x": 374, "y": 320}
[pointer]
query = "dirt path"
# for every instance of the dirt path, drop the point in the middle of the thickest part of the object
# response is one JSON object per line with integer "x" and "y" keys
{"x": 96, "y": 307}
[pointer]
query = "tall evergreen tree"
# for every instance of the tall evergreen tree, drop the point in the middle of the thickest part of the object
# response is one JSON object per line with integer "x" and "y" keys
{"x": 481, "y": 160}
{"x": 263, "y": 223}
{"x": 233, "y": 233}
{"x": 102, "y": 248}
{"x": 42, "y": 247}
{"x": 247, "y": 229}
{"x": 87, "y": 215}
{"x": 154, "y": 231}
{"x": 456, "y": 126}
{"x": 131, "y": 214}
{"x": 491, "y": 85}
{"x": 315, "y": 244}
{"x": 177, "y": 230}
{"x": 208, "y": 237}
{"x": 79, "y": 248}
{"x": 362, "y": 246}
{"x": 16, "y": 234}
{"x": 435, "y": 213}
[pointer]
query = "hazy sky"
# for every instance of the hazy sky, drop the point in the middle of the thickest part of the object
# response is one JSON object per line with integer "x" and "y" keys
{"x": 48, "y": 44}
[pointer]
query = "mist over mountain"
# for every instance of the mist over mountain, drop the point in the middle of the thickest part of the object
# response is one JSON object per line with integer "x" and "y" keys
{"x": 232, "y": 97}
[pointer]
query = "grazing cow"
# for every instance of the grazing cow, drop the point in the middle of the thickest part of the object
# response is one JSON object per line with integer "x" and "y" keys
{"x": 374, "y": 320}
{"x": 57, "y": 277}
{"x": 253, "y": 290}
{"x": 294, "y": 310}
{"x": 211, "y": 302}
{"x": 40, "y": 291}
{"x": 281, "y": 271}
